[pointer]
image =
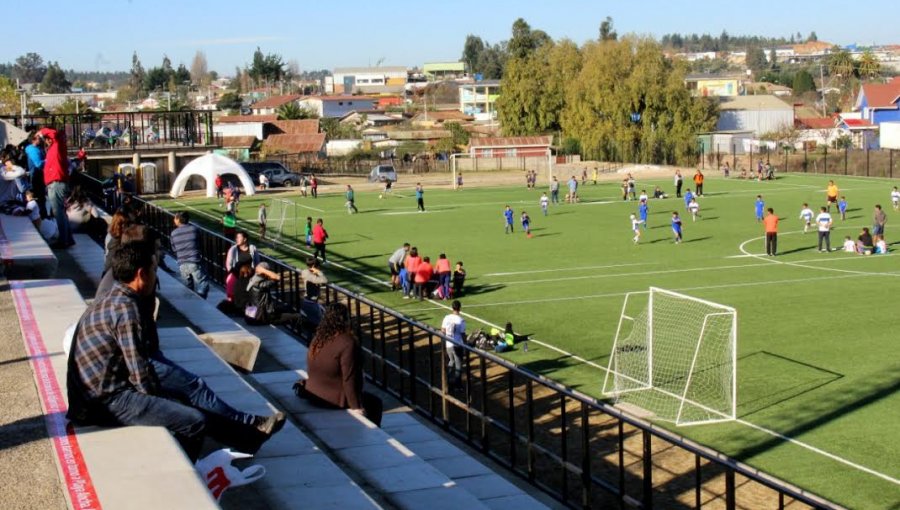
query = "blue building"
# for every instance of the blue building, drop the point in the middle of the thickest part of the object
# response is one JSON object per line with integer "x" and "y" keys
{"x": 879, "y": 102}
{"x": 328, "y": 107}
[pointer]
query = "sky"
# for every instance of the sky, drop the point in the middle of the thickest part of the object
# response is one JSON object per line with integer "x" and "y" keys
{"x": 101, "y": 36}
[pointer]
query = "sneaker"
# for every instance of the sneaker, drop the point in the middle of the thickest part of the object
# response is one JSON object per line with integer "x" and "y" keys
{"x": 405, "y": 297}
{"x": 270, "y": 425}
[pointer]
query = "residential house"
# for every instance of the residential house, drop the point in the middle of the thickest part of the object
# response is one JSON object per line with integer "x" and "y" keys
{"x": 510, "y": 146}
{"x": 816, "y": 131}
{"x": 444, "y": 70}
{"x": 243, "y": 125}
{"x": 306, "y": 144}
{"x": 704, "y": 85}
{"x": 327, "y": 107}
{"x": 759, "y": 114}
{"x": 271, "y": 105}
{"x": 477, "y": 99}
{"x": 366, "y": 80}
{"x": 879, "y": 102}
{"x": 237, "y": 148}
{"x": 373, "y": 118}
{"x": 439, "y": 118}
{"x": 862, "y": 133}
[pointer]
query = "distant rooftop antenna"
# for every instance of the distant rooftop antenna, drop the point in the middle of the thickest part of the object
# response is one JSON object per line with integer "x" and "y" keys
{"x": 379, "y": 62}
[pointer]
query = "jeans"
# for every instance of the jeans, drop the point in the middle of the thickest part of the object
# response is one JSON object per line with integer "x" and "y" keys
{"x": 454, "y": 366}
{"x": 444, "y": 281}
{"x": 185, "y": 423}
{"x": 194, "y": 278}
{"x": 554, "y": 196}
{"x": 56, "y": 197}
{"x": 771, "y": 243}
{"x": 825, "y": 236}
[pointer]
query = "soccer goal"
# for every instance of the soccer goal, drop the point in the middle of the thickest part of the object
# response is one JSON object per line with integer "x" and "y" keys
{"x": 675, "y": 360}
{"x": 284, "y": 218}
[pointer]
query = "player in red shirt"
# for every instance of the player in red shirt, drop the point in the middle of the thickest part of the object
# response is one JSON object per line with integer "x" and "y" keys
{"x": 424, "y": 272}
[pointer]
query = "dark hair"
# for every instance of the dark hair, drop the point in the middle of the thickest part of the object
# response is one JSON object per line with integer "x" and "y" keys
{"x": 126, "y": 259}
{"x": 771, "y": 211}
{"x": 442, "y": 256}
{"x": 183, "y": 217}
{"x": 456, "y": 305}
{"x": 312, "y": 262}
{"x": 335, "y": 321}
{"x": 414, "y": 252}
{"x": 77, "y": 196}
{"x": 426, "y": 259}
{"x": 137, "y": 233}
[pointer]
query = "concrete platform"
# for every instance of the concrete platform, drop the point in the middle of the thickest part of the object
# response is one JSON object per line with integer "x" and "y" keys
{"x": 23, "y": 252}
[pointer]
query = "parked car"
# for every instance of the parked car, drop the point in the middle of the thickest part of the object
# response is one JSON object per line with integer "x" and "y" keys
{"x": 276, "y": 172}
{"x": 383, "y": 173}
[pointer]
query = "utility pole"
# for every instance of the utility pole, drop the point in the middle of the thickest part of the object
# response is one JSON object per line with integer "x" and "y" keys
{"x": 822, "y": 85}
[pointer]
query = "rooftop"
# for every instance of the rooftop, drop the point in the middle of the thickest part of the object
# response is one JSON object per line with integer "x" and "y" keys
{"x": 512, "y": 141}
{"x": 246, "y": 118}
{"x": 276, "y": 101}
{"x": 295, "y": 144}
{"x": 757, "y": 103}
{"x": 882, "y": 95}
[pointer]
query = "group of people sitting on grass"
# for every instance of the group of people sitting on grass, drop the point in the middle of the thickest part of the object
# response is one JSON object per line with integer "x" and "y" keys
{"x": 866, "y": 243}
{"x": 416, "y": 277}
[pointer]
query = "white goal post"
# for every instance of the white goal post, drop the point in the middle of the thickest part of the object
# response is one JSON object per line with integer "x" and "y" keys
{"x": 284, "y": 218}
{"x": 678, "y": 359}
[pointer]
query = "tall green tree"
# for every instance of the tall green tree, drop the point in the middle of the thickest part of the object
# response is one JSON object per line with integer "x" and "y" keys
{"x": 55, "y": 81}
{"x": 268, "y": 68}
{"x": 756, "y": 59}
{"x": 136, "y": 80}
{"x": 29, "y": 68}
{"x": 472, "y": 49}
{"x": 524, "y": 40}
{"x": 840, "y": 63}
{"x": 803, "y": 82}
{"x": 607, "y": 32}
{"x": 869, "y": 66}
{"x": 293, "y": 111}
{"x": 9, "y": 98}
{"x": 812, "y": 37}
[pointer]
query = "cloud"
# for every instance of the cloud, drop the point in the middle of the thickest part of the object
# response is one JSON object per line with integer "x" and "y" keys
{"x": 231, "y": 41}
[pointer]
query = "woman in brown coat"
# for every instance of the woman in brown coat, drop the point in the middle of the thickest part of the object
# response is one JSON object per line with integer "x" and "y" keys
{"x": 334, "y": 363}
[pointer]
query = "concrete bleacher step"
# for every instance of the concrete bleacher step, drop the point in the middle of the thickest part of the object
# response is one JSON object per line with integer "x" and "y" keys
{"x": 134, "y": 480}
{"x": 23, "y": 252}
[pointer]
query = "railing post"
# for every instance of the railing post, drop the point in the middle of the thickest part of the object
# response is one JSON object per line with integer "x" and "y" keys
{"x": 698, "y": 483}
{"x": 485, "y": 426}
{"x": 529, "y": 404}
{"x": 648, "y": 469}
{"x": 585, "y": 457}
{"x": 729, "y": 489}
{"x": 621, "y": 436}
{"x": 411, "y": 350}
{"x": 445, "y": 405}
{"x": 510, "y": 391}
{"x": 564, "y": 447}
{"x": 383, "y": 348}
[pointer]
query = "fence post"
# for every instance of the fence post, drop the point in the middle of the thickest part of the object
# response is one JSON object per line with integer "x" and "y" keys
{"x": 846, "y": 158}
{"x": 826, "y": 160}
{"x": 891, "y": 162}
{"x": 867, "y": 161}
{"x": 729, "y": 489}
{"x": 648, "y": 469}
{"x": 585, "y": 457}
{"x": 529, "y": 399}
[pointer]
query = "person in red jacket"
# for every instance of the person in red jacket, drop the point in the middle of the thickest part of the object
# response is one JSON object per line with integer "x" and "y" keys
{"x": 424, "y": 272}
{"x": 220, "y": 190}
{"x": 412, "y": 264}
{"x": 319, "y": 236}
{"x": 56, "y": 177}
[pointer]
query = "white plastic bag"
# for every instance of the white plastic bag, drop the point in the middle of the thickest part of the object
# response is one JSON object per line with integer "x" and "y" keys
{"x": 217, "y": 472}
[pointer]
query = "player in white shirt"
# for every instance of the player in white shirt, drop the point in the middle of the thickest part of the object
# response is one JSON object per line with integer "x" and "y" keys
{"x": 454, "y": 326}
{"x": 545, "y": 203}
{"x": 694, "y": 208}
{"x": 849, "y": 245}
{"x": 636, "y": 228}
{"x": 895, "y": 199}
{"x": 806, "y": 214}
{"x": 643, "y": 196}
{"x": 824, "y": 221}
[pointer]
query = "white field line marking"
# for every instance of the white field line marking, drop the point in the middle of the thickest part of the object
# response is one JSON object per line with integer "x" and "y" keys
{"x": 403, "y": 213}
{"x": 293, "y": 248}
{"x": 568, "y": 269}
{"x": 622, "y": 294}
{"x": 308, "y": 207}
{"x": 772, "y": 260}
{"x": 820, "y": 452}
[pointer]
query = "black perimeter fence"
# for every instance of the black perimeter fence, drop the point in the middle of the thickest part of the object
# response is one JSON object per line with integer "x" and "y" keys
{"x": 584, "y": 453}
{"x": 819, "y": 160}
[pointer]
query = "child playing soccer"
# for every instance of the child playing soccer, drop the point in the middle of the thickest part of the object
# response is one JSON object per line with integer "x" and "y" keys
{"x": 694, "y": 208}
{"x": 545, "y": 203}
{"x": 687, "y": 198}
{"x": 895, "y": 199}
{"x": 760, "y": 207}
{"x": 676, "y": 227}
{"x": 643, "y": 211}
{"x": 309, "y": 228}
{"x": 262, "y": 218}
{"x": 635, "y": 228}
{"x": 526, "y": 224}
{"x": 842, "y": 207}
{"x": 806, "y": 214}
{"x": 508, "y": 220}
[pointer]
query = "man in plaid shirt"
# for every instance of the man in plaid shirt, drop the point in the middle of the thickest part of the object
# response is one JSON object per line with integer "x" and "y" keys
{"x": 111, "y": 379}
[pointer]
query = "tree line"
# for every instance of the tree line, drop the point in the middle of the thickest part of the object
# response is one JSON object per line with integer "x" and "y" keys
{"x": 726, "y": 42}
{"x": 611, "y": 98}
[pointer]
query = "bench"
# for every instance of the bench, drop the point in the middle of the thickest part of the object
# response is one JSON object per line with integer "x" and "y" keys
{"x": 90, "y": 460}
{"x": 23, "y": 252}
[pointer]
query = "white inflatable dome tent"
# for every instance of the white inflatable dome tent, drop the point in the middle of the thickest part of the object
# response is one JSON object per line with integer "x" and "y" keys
{"x": 208, "y": 167}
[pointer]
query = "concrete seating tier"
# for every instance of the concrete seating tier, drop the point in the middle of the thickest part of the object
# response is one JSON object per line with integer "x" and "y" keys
{"x": 23, "y": 252}
{"x": 133, "y": 480}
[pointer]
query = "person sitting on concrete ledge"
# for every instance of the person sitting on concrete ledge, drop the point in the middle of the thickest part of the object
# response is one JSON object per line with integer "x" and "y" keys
{"x": 114, "y": 379}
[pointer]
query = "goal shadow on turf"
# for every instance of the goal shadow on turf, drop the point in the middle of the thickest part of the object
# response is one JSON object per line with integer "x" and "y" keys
{"x": 766, "y": 379}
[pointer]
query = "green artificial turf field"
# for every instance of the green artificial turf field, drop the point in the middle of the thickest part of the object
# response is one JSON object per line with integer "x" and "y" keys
{"x": 818, "y": 364}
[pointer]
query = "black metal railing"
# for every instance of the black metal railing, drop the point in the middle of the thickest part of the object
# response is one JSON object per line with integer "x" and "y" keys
{"x": 581, "y": 451}
{"x": 813, "y": 160}
{"x": 108, "y": 131}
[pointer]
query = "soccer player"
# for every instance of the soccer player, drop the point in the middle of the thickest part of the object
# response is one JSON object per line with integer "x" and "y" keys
{"x": 261, "y": 219}
{"x": 842, "y": 207}
{"x": 309, "y": 229}
{"x": 824, "y": 221}
{"x": 806, "y": 214}
{"x": 687, "y": 197}
{"x": 420, "y": 197}
{"x": 771, "y": 226}
{"x": 643, "y": 196}
{"x": 573, "y": 190}
{"x": 676, "y": 227}
{"x": 694, "y": 209}
{"x": 526, "y": 224}
{"x": 643, "y": 211}
{"x": 831, "y": 195}
{"x": 635, "y": 228}
{"x": 760, "y": 207}
{"x": 895, "y": 199}
{"x": 351, "y": 199}
{"x": 545, "y": 202}
{"x": 508, "y": 220}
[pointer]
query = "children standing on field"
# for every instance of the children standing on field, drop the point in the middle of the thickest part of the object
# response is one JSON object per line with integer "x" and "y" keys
{"x": 895, "y": 199}
{"x": 806, "y": 214}
{"x": 545, "y": 203}
{"x": 635, "y": 228}
{"x": 309, "y": 229}
{"x": 526, "y": 224}
{"x": 694, "y": 209}
{"x": 676, "y": 227}
{"x": 760, "y": 207}
{"x": 508, "y": 220}
{"x": 842, "y": 207}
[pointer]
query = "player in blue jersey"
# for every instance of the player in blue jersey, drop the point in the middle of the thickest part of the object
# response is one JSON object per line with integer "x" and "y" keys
{"x": 508, "y": 220}
{"x": 526, "y": 224}
{"x": 687, "y": 198}
{"x": 676, "y": 227}
{"x": 643, "y": 211}
{"x": 842, "y": 207}
{"x": 760, "y": 208}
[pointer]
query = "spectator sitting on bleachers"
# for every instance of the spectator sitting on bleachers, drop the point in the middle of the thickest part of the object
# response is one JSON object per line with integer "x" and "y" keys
{"x": 115, "y": 377}
{"x": 334, "y": 363}
{"x": 262, "y": 308}
{"x": 186, "y": 245}
{"x": 47, "y": 228}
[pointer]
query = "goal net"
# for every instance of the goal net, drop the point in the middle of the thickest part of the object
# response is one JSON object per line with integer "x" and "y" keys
{"x": 676, "y": 359}
{"x": 283, "y": 218}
